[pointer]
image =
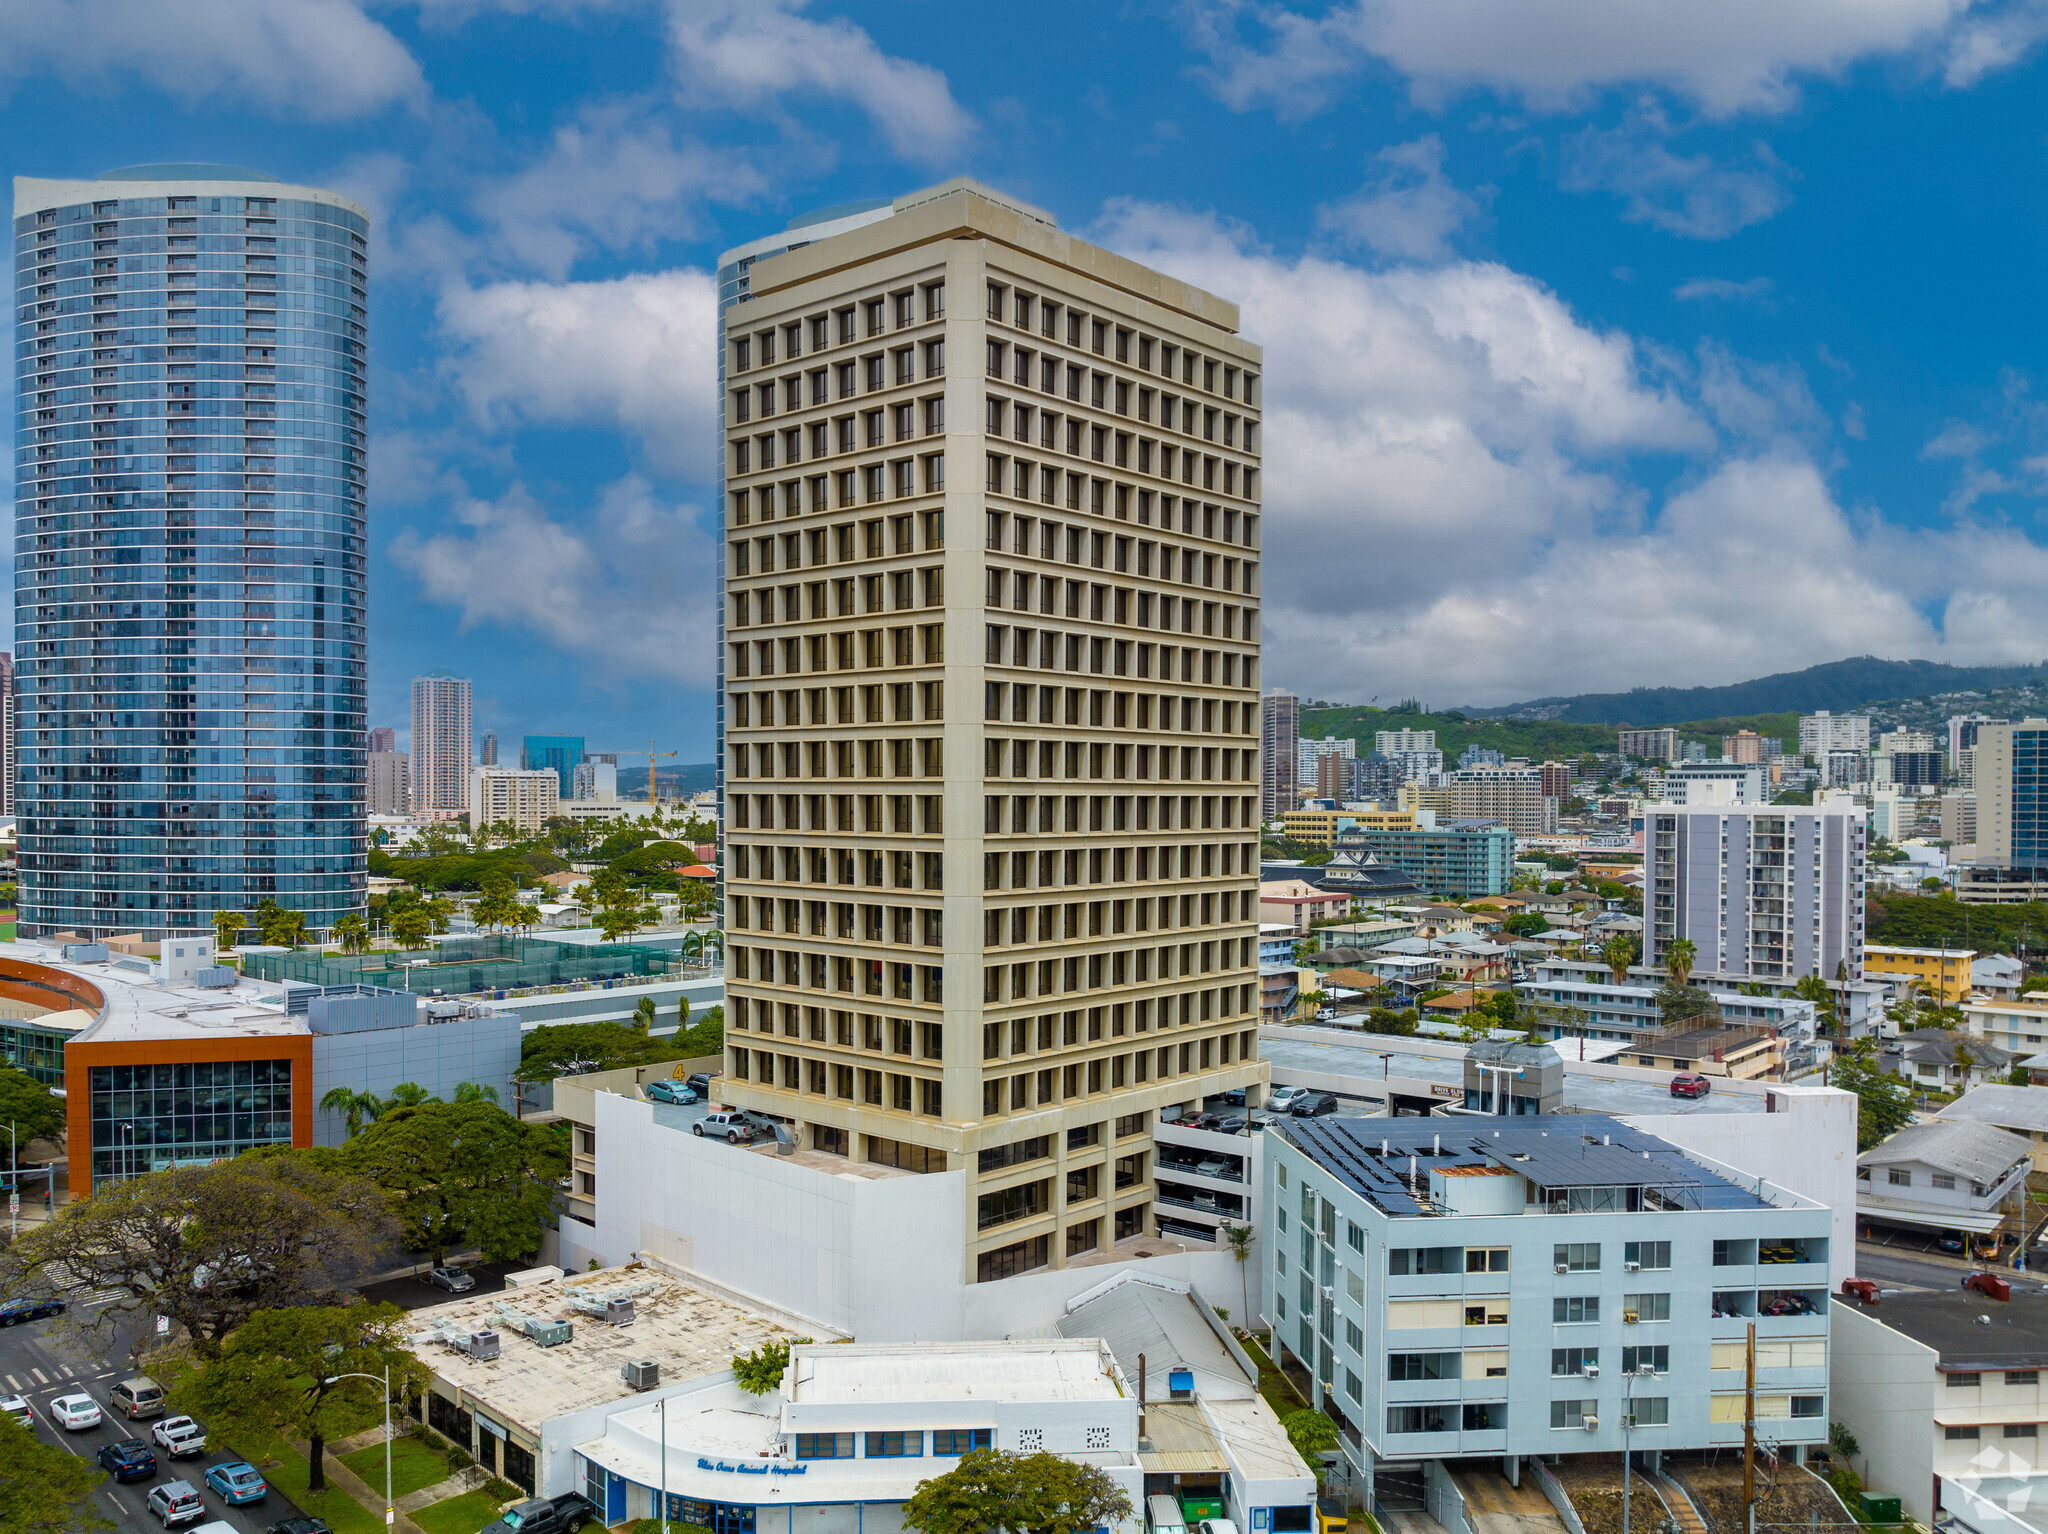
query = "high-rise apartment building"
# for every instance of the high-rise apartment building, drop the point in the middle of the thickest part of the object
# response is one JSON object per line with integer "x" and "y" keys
{"x": 560, "y": 754}
{"x": 1308, "y": 752}
{"x": 487, "y": 749}
{"x": 1764, "y": 892}
{"x": 1743, "y": 746}
{"x": 382, "y": 738}
{"x": 992, "y": 736}
{"x": 1511, "y": 795}
{"x": 1962, "y": 732}
{"x": 10, "y": 732}
{"x": 1279, "y": 753}
{"x": 522, "y": 797}
{"x": 390, "y": 784}
{"x": 1822, "y": 732}
{"x": 191, "y": 360}
{"x": 1555, "y": 779}
{"x": 1392, "y": 742}
{"x": 440, "y": 744}
{"x": 1649, "y": 745}
{"x": 2012, "y": 794}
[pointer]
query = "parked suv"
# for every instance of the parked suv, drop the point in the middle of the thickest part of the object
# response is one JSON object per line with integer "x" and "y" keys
{"x": 1690, "y": 1085}
{"x": 562, "y": 1514}
{"x": 175, "y": 1503}
{"x": 139, "y": 1397}
{"x": 666, "y": 1091}
{"x": 1312, "y": 1105}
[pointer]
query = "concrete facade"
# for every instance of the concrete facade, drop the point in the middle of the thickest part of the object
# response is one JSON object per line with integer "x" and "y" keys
{"x": 441, "y": 749}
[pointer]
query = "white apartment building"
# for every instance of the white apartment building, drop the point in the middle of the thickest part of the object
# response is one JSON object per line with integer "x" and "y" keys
{"x": 527, "y": 798}
{"x": 1649, "y": 745}
{"x": 1765, "y": 893}
{"x": 991, "y": 751}
{"x": 1822, "y": 732}
{"x": 390, "y": 783}
{"x": 440, "y": 743}
{"x": 2012, "y": 817}
{"x": 1540, "y": 1285}
{"x": 1279, "y": 760}
{"x": 1414, "y": 753}
{"x": 1715, "y": 783}
{"x": 1309, "y": 752}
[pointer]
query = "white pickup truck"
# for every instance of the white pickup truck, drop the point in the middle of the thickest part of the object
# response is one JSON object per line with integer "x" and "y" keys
{"x": 179, "y": 1437}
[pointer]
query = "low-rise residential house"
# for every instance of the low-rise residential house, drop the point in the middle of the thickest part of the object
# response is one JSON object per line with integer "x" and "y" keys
{"x": 1938, "y": 972}
{"x": 1437, "y": 920}
{"x": 2020, "y": 1024}
{"x": 1714, "y": 1049}
{"x": 2017, "y": 1110}
{"x": 1296, "y": 903}
{"x": 1945, "y": 1060}
{"x": 1998, "y": 976}
{"x": 1278, "y": 943}
{"x": 1279, "y": 992}
{"x": 1944, "y": 1174}
{"x": 1351, "y": 980}
{"x": 1366, "y": 935}
{"x": 1626, "y": 1011}
{"x": 1942, "y": 1390}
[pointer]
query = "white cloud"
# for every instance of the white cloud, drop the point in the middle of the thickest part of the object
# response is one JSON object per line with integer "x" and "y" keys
{"x": 1408, "y": 208}
{"x": 615, "y": 179}
{"x": 1730, "y": 56}
{"x": 751, "y": 54}
{"x": 1452, "y": 503}
{"x": 634, "y": 354}
{"x": 628, "y": 583}
{"x": 1699, "y": 289}
{"x": 1691, "y": 195}
{"x": 318, "y": 59}
{"x": 1988, "y": 43}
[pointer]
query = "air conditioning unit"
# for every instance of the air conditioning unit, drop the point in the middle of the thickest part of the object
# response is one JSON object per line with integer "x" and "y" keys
{"x": 1564, "y": 1267}
{"x": 1631, "y": 1267}
{"x": 1629, "y": 1318}
{"x": 1589, "y": 1423}
{"x": 641, "y": 1373}
{"x": 1592, "y": 1371}
{"x": 1329, "y": 1293}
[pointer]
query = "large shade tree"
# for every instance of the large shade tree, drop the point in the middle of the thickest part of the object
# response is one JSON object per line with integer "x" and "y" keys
{"x": 462, "y": 1174}
{"x": 43, "y": 1488}
{"x": 991, "y": 1489}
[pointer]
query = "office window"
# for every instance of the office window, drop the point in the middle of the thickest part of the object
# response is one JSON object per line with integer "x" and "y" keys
{"x": 2012, "y": 1429}
{"x": 824, "y": 1446}
{"x": 1569, "y": 1309}
{"x": 950, "y": 1443}
{"x": 1652, "y": 1411}
{"x": 894, "y": 1445}
{"x": 1646, "y": 1307}
{"x": 1486, "y": 1259}
{"x": 1574, "y": 1360}
{"x": 1657, "y": 1357}
{"x": 2022, "y": 1377}
{"x": 1577, "y": 1257}
{"x": 1565, "y": 1414}
{"x": 1405, "y": 1261}
{"x": 1647, "y": 1254}
{"x": 1959, "y": 1434}
{"x": 1424, "y": 1366}
{"x": 1963, "y": 1381}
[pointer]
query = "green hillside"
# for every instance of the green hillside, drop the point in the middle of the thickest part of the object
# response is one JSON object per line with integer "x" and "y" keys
{"x": 1538, "y": 739}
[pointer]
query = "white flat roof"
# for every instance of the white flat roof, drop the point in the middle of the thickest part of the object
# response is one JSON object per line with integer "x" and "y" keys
{"x": 140, "y": 1007}
{"x": 1062, "y": 1370}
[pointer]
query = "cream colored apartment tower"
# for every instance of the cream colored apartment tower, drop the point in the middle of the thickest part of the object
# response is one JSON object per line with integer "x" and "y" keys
{"x": 992, "y": 720}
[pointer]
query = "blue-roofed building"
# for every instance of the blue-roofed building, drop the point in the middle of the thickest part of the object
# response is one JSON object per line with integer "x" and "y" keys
{"x": 1482, "y": 1287}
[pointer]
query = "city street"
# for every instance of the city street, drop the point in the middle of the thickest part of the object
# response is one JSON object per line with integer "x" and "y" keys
{"x": 40, "y": 1363}
{"x": 1891, "y": 1267}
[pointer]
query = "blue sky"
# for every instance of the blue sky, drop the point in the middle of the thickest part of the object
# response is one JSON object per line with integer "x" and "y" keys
{"x": 1609, "y": 343}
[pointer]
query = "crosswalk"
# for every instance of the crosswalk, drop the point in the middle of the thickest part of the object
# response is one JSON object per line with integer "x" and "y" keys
{"x": 56, "y": 1374}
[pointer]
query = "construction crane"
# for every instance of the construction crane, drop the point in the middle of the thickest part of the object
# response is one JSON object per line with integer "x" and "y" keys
{"x": 653, "y": 782}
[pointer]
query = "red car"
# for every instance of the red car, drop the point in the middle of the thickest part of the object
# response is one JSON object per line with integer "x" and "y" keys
{"x": 1689, "y": 1085}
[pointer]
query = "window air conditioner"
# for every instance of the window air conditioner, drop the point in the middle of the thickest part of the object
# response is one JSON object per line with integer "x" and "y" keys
{"x": 1631, "y": 1267}
{"x": 1629, "y": 1318}
{"x": 1329, "y": 1293}
{"x": 1564, "y": 1267}
{"x": 1589, "y": 1423}
{"x": 1592, "y": 1371}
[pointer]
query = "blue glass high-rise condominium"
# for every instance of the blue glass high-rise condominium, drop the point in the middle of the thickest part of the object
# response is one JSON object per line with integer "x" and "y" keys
{"x": 562, "y": 753}
{"x": 190, "y": 359}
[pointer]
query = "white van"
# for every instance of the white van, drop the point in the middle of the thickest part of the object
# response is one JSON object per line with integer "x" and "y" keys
{"x": 1163, "y": 1516}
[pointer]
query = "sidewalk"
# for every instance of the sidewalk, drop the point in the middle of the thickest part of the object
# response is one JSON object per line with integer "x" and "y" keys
{"x": 347, "y": 1480}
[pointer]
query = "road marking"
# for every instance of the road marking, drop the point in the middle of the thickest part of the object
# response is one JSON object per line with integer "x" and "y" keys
{"x": 13, "y": 1383}
{"x": 68, "y": 1374}
{"x": 41, "y": 1378}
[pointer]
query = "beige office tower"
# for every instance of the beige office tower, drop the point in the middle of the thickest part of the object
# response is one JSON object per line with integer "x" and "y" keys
{"x": 991, "y": 751}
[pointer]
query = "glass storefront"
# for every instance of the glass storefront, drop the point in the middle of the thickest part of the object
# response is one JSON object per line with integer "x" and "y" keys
{"x": 147, "y": 1118}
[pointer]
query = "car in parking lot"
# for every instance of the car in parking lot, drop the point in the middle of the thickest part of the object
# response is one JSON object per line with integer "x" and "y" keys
{"x": 139, "y": 1397}
{"x": 179, "y": 1437}
{"x": 1234, "y": 1124}
{"x": 75, "y": 1412}
{"x": 34, "y": 1309}
{"x": 666, "y": 1091}
{"x": 700, "y": 1083}
{"x": 1234, "y": 1097}
{"x": 129, "y": 1460}
{"x": 18, "y": 1408}
{"x": 237, "y": 1483}
{"x": 454, "y": 1280}
{"x": 728, "y": 1124}
{"x": 1283, "y": 1099}
{"x": 1689, "y": 1084}
{"x": 175, "y": 1504}
{"x": 1312, "y": 1105}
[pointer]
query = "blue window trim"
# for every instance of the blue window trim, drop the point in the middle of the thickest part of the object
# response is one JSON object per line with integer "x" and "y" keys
{"x": 946, "y": 1441}
{"x": 910, "y": 1444}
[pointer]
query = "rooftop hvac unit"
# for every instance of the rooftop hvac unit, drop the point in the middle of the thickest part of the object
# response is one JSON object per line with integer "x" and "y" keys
{"x": 550, "y": 1334}
{"x": 1589, "y": 1423}
{"x": 641, "y": 1374}
{"x": 214, "y": 977}
{"x": 482, "y": 1345}
{"x": 618, "y": 1310}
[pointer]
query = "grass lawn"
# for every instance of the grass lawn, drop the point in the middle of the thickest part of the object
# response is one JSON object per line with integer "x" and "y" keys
{"x": 343, "y": 1513}
{"x": 1278, "y": 1390}
{"x": 413, "y": 1465}
{"x": 458, "y": 1515}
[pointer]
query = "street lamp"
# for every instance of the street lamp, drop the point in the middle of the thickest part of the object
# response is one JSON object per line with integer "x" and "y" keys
{"x": 390, "y": 1510}
{"x": 661, "y": 1410}
{"x": 1628, "y": 1421}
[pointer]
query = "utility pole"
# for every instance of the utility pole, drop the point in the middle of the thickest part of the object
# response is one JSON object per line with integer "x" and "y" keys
{"x": 1749, "y": 1434}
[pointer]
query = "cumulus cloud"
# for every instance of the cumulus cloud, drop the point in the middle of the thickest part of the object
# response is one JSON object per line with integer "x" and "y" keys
{"x": 635, "y": 354}
{"x": 322, "y": 60}
{"x": 615, "y": 179}
{"x": 1453, "y": 497}
{"x": 1730, "y": 57}
{"x": 1408, "y": 208}
{"x": 750, "y": 54}
{"x": 1692, "y": 195}
{"x": 1994, "y": 40}
{"x": 628, "y": 581}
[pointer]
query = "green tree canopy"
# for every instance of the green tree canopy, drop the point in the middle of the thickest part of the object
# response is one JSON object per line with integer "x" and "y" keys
{"x": 462, "y": 1174}
{"x": 571, "y": 1049}
{"x": 761, "y": 1371}
{"x": 1884, "y": 1102}
{"x": 33, "y": 1110}
{"x": 282, "y": 1376}
{"x": 1312, "y": 1434}
{"x": 207, "y": 1246}
{"x": 991, "y": 1489}
{"x": 1684, "y": 1006}
{"x": 44, "y": 1489}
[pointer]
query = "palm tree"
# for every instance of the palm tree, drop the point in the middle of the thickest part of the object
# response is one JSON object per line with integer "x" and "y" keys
{"x": 356, "y": 1108}
{"x": 1240, "y": 1238}
{"x": 352, "y": 932}
{"x": 1816, "y": 990}
{"x": 1679, "y": 958}
{"x": 225, "y": 925}
{"x": 472, "y": 1092}
{"x": 408, "y": 1094}
{"x": 1618, "y": 955}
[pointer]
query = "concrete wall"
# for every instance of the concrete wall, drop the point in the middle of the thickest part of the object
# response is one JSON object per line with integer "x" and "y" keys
{"x": 439, "y": 1056}
{"x": 872, "y": 1257}
{"x": 1883, "y": 1388}
{"x": 617, "y": 1004}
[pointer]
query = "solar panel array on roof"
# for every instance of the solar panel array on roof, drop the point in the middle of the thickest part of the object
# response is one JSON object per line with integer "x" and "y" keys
{"x": 1388, "y": 1161}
